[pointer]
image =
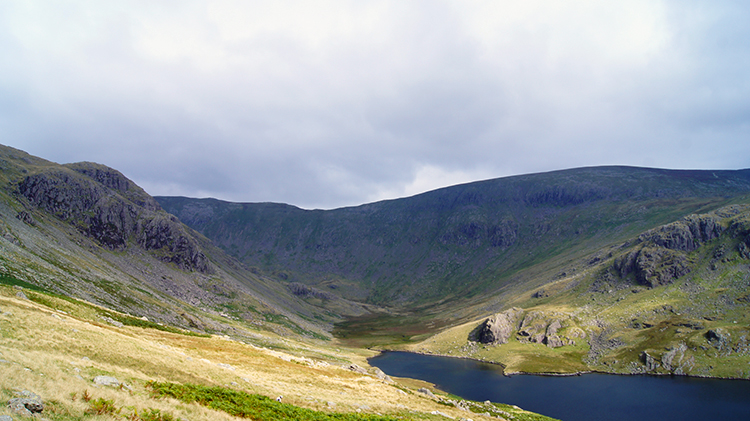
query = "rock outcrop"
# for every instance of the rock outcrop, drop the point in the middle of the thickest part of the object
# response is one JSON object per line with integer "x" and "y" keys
{"x": 498, "y": 328}
{"x": 531, "y": 327}
{"x": 662, "y": 257}
{"x": 107, "y": 207}
{"x": 26, "y": 403}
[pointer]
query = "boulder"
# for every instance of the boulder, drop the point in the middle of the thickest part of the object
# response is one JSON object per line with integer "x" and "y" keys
{"x": 357, "y": 369}
{"x": 551, "y": 339}
{"x": 382, "y": 376}
{"x": 649, "y": 361}
{"x": 106, "y": 381}
{"x": 533, "y": 327}
{"x": 26, "y": 404}
{"x": 427, "y": 392}
{"x": 498, "y": 328}
{"x": 719, "y": 338}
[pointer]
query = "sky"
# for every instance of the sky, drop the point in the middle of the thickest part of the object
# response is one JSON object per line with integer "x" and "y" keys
{"x": 325, "y": 104}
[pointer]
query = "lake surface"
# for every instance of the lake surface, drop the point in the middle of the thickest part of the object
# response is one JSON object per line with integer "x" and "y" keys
{"x": 599, "y": 397}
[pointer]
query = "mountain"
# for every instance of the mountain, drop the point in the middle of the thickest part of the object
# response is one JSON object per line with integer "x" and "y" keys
{"x": 458, "y": 246}
{"x": 615, "y": 269}
{"x": 84, "y": 230}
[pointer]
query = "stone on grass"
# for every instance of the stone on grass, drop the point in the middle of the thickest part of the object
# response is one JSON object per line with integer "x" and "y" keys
{"x": 427, "y": 392}
{"x": 112, "y": 321}
{"x": 26, "y": 404}
{"x": 106, "y": 381}
{"x": 357, "y": 369}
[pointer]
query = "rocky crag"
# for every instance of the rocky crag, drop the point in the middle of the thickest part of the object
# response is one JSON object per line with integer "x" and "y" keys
{"x": 85, "y": 230}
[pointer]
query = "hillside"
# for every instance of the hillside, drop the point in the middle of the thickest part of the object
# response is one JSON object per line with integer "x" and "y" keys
{"x": 83, "y": 368}
{"x": 673, "y": 300}
{"x": 461, "y": 250}
{"x": 84, "y": 230}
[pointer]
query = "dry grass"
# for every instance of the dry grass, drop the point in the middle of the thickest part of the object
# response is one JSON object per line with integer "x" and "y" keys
{"x": 56, "y": 356}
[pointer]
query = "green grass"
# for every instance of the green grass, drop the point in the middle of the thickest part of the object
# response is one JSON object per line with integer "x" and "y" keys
{"x": 246, "y": 405}
{"x": 71, "y": 305}
{"x": 11, "y": 281}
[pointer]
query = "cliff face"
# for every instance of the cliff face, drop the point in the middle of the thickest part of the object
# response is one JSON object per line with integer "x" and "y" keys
{"x": 110, "y": 209}
{"x": 663, "y": 254}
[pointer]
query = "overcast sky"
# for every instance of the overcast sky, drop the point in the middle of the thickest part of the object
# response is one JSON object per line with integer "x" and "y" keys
{"x": 323, "y": 104}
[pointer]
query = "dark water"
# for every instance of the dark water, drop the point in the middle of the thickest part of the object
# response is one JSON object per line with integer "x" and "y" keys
{"x": 598, "y": 397}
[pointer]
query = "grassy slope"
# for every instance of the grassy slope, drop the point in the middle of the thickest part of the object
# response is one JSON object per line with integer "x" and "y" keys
{"x": 713, "y": 296}
{"x": 57, "y": 353}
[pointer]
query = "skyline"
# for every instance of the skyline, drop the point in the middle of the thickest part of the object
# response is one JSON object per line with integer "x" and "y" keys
{"x": 331, "y": 104}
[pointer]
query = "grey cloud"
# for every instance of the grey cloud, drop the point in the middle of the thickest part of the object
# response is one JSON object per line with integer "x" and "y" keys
{"x": 327, "y": 111}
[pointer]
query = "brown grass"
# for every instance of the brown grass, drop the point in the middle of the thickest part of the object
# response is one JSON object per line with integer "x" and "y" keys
{"x": 57, "y": 356}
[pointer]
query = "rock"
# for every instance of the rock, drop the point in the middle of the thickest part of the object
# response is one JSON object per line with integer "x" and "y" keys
{"x": 357, "y": 369}
{"x": 441, "y": 414}
{"x": 649, "y": 361}
{"x": 106, "y": 381}
{"x": 427, "y": 392}
{"x": 675, "y": 360}
{"x": 540, "y": 294}
{"x": 112, "y": 321}
{"x": 21, "y": 295}
{"x": 533, "y": 327}
{"x": 304, "y": 291}
{"x": 110, "y": 209}
{"x": 551, "y": 339}
{"x": 6, "y": 418}
{"x": 685, "y": 235}
{"x": 498, "y": 328}
{"x": 382, "y": 376}
{"x": 226, "y": 366}
{"x": 26, "y": 218}
{"x": 26, "y": 404}
{"x": 719, "y": 338}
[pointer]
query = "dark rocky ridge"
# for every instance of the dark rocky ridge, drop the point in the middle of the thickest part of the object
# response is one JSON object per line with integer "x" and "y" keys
{"x": 662, "y": 254}
{"x": 110, "y": 209}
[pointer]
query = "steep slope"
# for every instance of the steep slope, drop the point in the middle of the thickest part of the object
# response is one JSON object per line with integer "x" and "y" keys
{"x": 85, "y": 230}
{"x": 466, "y": 242}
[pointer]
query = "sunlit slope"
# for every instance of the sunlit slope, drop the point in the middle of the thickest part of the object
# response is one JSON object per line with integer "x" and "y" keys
{"x": 56, "y": 348}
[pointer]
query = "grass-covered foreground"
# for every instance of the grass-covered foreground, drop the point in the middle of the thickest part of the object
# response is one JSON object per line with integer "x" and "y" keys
{"x": 56, "y": 347}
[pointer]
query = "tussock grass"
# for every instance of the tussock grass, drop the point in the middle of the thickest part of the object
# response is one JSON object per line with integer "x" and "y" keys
{"x": 57, "y": 355}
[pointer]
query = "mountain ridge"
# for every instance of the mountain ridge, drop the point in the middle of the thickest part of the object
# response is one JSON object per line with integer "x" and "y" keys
{"x": 485, "y": 226}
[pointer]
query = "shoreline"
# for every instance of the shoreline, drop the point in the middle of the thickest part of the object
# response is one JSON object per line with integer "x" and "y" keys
{"x": 547, "y": 374}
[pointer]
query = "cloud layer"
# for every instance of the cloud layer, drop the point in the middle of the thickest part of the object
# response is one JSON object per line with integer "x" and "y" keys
{"x": 334, "y": 103}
